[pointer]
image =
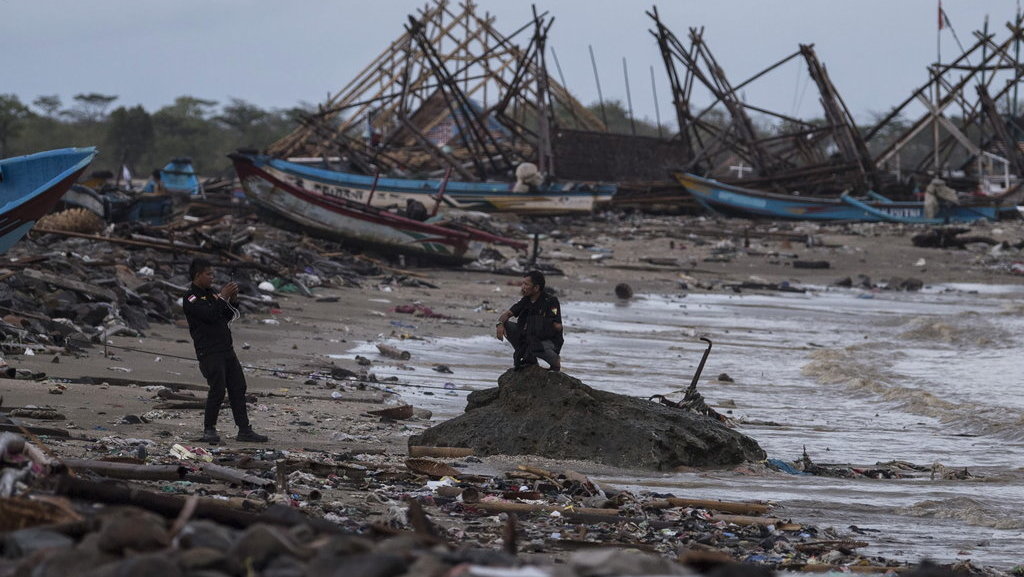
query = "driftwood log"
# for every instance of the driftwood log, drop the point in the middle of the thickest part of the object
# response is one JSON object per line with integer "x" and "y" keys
{"x": 129, "y": 470}
{"x": 394, "y": 353}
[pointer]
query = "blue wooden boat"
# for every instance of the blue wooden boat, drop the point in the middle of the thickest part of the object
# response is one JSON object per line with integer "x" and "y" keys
{"x": 738, "y": 201}
{"x": 282, "y": 201}
{"x": 31, "y": 185}
{"x": 549, "y": 199}
{"x": 179, "y": 177}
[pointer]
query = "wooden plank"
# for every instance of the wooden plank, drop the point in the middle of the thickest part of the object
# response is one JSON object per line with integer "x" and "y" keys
{"x": 45, "y": 431}
{"x": 77, "y": 286}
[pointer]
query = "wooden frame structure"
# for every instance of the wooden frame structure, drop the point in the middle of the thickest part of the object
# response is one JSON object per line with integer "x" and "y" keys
{"x": 978, "y": 136}
{"x": 451, "y": 91}
{"x": 807, "y": 156}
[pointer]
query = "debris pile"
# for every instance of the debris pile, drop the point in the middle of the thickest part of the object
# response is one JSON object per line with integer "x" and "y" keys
{"x": 367, "y": 513}
{"x": 538, "y": 412}
{"x": 62, "y": 290}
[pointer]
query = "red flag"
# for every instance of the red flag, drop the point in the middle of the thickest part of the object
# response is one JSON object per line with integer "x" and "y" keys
{"x": 942, "y": 17}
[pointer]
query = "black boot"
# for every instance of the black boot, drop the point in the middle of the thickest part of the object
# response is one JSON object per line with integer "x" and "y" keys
{"x": 210, "y": 436}
{"x": 251, "y": 436}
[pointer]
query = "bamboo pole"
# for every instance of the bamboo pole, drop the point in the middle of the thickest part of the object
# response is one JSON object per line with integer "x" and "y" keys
{"x": 232, "y": 475}
{"x": 745, "y": 520}
{"x": 442, "y": 452}
{"x": 129, "y": 470}
{"x": 724, "y": 506}
{"x": 394, "y": 353}
{"x": 508, "y": 507}
{"x": 166, "y": 505}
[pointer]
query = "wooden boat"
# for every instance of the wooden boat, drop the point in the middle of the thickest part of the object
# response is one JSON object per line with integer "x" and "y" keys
{"x": 31, "y": 185}
{"x": 275, "y": 194}
{"x": 179, "y": 177}
{"x": 549, "y": 199}
{"x": 738, "y": 201}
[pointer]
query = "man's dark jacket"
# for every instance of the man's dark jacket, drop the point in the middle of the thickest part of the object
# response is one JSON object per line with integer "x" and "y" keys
{"x": 537, "y": 319}
{"x": 208, "y": 316}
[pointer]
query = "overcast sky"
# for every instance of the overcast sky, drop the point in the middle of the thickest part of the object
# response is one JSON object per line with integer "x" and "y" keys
{"x": 277, "y": 54}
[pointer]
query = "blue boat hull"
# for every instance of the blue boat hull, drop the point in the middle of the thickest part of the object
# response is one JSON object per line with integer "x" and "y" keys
{"x": 179, "y": 176}
{"x": 718, "y": 196}
{"x": 31, "y": 185}
{"x": 557, "y": 198}
{"x": 343, "y": 220}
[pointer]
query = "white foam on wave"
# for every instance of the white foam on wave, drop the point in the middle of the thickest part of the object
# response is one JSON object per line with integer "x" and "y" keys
{"x": 966, "y": 509}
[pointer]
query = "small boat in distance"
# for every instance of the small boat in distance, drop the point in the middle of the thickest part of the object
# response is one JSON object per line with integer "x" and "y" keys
{"x": 547, "y": 199}
{"x": 746, "y": 202}
{"x": 179, "y": 177}
{"x": 276, "y": 195}
{"x": 31, "y": 185}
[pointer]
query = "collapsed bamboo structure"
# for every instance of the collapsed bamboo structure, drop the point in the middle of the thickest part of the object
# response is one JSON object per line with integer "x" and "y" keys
{"x": 451, "y": 91}
{"x": 805, "y": 155}
{"x": 974, "y": 140}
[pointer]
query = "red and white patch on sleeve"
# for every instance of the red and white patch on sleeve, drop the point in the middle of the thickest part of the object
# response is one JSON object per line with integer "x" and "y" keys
{"x": 191, "y": 298}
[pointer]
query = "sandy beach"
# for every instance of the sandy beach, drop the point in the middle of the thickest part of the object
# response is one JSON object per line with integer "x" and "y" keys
{"x": 291, "y": 347}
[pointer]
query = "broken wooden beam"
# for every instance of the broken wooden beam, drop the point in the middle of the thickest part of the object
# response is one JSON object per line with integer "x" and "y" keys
{"x": 45, "y": 431}
{"x": 167, "y": 505}
{"x": 710, "y": 504}
{"x": 123, "y": 241}
{"x": 129, "y": 470}
{"x": 231, "y": 475}
{"x": 392, "y": 352}
{"x": 77, "y": 286}
{"x": 509, "y": 507}
{"x": 443, "y": 452}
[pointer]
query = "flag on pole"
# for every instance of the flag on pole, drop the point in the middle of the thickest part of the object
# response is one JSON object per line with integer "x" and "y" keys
{"x": 127, "y": 176}
{"x": 943, "y": 19}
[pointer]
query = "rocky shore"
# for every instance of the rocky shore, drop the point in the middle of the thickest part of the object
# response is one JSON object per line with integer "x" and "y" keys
{"x": 102, "y": 378}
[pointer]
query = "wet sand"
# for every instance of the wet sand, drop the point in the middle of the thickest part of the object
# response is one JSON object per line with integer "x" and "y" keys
{"x": 304, "y": 336}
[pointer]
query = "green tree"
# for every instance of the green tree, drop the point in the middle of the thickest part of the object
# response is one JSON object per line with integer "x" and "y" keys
{"x": 242, "y": 116}
{"x": 91, "y": 107}
{"x": 619, "y": 122}
{"x": 185, "y": 129}
{"x": 130, "y": 134}
{"x": 50, "y": 105}
{"x": 12, "y": 116}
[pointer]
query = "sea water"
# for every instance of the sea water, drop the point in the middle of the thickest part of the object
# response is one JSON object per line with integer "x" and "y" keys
{"x": 855, "y": 377}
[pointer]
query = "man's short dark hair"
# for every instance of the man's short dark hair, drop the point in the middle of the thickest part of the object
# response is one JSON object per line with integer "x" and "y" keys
{"x": 198, "y": 265}
{"x": 536, "y": 277}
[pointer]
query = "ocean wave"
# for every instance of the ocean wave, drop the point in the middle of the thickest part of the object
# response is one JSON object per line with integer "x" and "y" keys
{"x": 850, "y": 369}
{"x": 967, "y": 328}
{"x": 970, "y": 511}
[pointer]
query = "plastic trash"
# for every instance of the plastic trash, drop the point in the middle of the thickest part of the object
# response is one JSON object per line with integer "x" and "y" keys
{"x": 191, "y": 453}
{"x": 780, "y": 465}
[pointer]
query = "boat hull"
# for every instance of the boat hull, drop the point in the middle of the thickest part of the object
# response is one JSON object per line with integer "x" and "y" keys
{"x": 339, "y": 219}
{"x": 31, "y": 186}
{"x": 747, "y": 202}
{"x": 478, "y": 196}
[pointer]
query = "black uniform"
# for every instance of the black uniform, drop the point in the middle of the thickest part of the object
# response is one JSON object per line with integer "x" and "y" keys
{"x": 534, "y": 334}
{"x": 208, "y": 316}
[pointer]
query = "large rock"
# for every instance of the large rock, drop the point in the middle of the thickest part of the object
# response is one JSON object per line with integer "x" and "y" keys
{"x": 538, "y": 412}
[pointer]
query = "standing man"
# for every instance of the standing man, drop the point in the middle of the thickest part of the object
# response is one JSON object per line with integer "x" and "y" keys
{"x": 208, "y": 314}
{"x": 537, "y": 332}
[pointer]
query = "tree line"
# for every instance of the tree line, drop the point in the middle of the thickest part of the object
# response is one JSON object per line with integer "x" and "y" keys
{"x": 194, "y": 127}
{"x": 207, "y": 131}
